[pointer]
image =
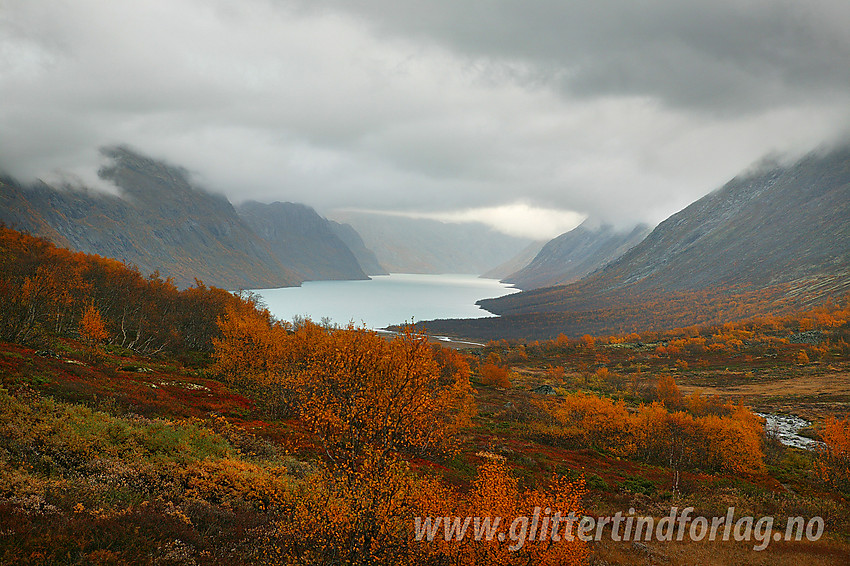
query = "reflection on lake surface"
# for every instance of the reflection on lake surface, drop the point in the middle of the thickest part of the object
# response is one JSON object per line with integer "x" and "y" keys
{"x": 386, "y": 299}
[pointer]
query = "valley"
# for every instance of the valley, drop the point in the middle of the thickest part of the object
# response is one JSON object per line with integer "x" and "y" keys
{"x": 374, "y": 283}
{"x": 701, "y": 365}
{"x": 649, "y": 375}
{"x": 133, "y": 452}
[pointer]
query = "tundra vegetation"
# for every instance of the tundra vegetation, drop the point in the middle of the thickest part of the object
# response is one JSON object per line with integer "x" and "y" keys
{"x": 144, "y": 424}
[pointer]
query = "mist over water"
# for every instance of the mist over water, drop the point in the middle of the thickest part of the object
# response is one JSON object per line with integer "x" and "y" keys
{"x": 386, "y": 300}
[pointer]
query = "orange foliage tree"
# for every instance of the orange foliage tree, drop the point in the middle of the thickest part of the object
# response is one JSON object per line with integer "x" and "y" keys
{"x": 363, "y": 396}
{"x": 92, "y": 327}
{"x": 667, "y": 391}
{"x": 833, "y": 463}
{"x": 250, "y": 355}
{"x": 495, "y": 375}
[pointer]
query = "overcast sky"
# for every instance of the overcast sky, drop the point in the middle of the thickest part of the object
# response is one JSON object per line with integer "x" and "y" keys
{"x": 526, "y": 114}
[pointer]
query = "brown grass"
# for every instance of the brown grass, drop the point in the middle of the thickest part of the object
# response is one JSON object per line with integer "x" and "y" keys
{"x": 811, "y": 396}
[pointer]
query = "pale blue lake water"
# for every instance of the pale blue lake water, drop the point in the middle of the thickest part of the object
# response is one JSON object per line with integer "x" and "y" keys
{"x": 385, "y": 300}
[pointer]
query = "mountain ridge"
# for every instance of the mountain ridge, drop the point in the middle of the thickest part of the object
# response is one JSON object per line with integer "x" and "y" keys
{"x": 162, "y": 222}
{"x": 767, "y": 242}
{"x": 575, "y": 254}
{"x": 300, "y": 238}
{"x": 765, "y": 228}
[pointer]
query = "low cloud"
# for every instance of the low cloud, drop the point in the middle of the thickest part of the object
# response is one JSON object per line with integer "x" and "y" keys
{"x": 518, "y": 219}
{"x": 623, "y": 112}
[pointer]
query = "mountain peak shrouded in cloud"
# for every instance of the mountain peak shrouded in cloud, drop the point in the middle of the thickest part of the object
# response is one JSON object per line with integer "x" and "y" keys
{"x": 624, "y": 112}
{"x": 162, "y": 222}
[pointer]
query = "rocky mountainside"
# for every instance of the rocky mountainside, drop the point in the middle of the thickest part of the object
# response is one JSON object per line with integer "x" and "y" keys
{"x": 770, "y": 241}
{"x": 365, "y": 257}
{"x": 575, "y": 254}
{"x": 302, "y": 240}
{"x": 778, "y": 225}
{"x": 415, "y": 245}
{"x": 162, "y": 222}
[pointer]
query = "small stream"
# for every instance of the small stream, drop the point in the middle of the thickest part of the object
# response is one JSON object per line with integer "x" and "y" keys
{"x": 786, "y": 427}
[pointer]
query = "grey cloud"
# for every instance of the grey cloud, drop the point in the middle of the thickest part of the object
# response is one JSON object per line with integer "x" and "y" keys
{"x": 625, "y": 112}
{"x": 723, "y": 55}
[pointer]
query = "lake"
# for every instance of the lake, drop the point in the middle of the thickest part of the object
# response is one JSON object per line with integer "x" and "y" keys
{"x": 385, "y": 299}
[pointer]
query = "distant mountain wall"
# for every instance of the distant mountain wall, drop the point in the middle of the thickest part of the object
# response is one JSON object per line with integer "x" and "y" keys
{"x": 365, "y": 257}
{"x": 302, "y": 240}
{"x": 517, "y": 262}
{"x": 415, "y": 245}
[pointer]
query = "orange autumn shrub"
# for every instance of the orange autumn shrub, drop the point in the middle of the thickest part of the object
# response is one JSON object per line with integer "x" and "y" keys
{"x": 731, "y": 444}
{"x": 495, "y": 375}
{"x": 496, "y": 496}
{"x": 654, "y": 433}
{"x": 833, "y": 463}
{"x": 251, "y": 345}
{"x": 230, "y": 483}
{"x": 359, "y": 518}
{"x": 359, "y": 393}
{"x": 250, "y": 356}
{"x": 371, "y": 518}
{"x": 594, "y": 421}
{"x": 362, "y": 394}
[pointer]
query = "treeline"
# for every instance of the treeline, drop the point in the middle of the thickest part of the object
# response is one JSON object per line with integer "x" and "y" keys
{"x": 46, "y": 291}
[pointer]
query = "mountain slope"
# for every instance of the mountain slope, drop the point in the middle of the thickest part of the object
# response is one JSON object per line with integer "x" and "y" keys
{"x": 786, "y": 225}
{"x": 365, "y": 257}
{"x": 766, "y": 243}
{"x": 302, "y": 240}
{"x": 161, "y": 222}
{"x": 415, "y": 245}
{"x": 575, "y": 254}
{"x": 783, "y": 225}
